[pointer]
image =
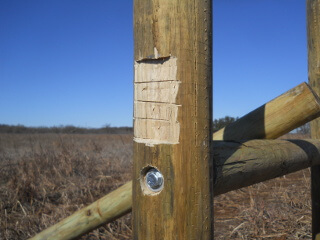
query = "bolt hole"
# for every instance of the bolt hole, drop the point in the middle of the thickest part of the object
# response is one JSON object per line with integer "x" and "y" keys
{"x": 151, "y": 180}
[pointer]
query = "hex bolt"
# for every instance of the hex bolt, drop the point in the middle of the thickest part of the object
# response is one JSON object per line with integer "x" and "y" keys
{"x": 154, "y": 180}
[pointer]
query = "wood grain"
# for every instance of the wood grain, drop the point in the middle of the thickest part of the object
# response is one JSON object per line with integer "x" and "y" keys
{"x": 177, "y": 34}
{"x": 313, "y": 29}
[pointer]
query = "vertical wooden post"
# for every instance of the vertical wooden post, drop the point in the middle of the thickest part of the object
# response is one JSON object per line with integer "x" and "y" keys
{"x": 313, "y": 27}
{"x": 172, "y": 120}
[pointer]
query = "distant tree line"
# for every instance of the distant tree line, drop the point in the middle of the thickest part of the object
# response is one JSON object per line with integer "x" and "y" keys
{"x": 222, "y": 122}
{"x": 107, "y": 129}
{"x": 68, "y": 129}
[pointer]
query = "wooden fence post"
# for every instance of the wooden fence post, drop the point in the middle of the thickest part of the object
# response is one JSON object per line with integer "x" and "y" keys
{"x": 172, "y": 120}
{"x": 313, "y": 27}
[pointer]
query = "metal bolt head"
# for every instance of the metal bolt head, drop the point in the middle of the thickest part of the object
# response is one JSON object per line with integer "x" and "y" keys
{"x": 154, "y": 180}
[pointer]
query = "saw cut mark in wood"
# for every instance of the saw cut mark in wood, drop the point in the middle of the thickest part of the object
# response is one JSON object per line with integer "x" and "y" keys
{"x": 156, "y": 111}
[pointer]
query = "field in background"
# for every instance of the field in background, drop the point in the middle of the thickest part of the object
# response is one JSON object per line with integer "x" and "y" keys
{"x": 46, "y": 177}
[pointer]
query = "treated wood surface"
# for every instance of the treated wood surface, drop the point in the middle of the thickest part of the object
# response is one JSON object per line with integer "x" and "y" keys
{"x": 275, "y": 118}
{"x": 237, "y": 165}
{"x": 106, "y": 209}
{"x": 313, "y": 27}
{"x": 172, "y": 118}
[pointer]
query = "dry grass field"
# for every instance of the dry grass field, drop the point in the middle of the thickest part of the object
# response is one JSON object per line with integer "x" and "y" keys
{"x": 46, "y": 177}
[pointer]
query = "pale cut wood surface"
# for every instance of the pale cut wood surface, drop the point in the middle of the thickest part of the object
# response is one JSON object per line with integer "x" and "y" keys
{"x": 313, "y": 29}
{"x": 237, "y": 165}
{"x": 275, "y": 118}
{"x": 172, "y": 118}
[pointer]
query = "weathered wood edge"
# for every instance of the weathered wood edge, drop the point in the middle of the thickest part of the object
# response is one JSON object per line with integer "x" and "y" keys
{"x": 313, "y": 35}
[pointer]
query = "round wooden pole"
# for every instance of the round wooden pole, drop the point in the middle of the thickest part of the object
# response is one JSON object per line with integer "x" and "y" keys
{"x": 172, "y": 120}
{"x": 313, "y": 27}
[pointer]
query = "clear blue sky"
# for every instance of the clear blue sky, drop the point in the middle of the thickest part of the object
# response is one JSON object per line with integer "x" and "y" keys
{"x": 71, "y": 62}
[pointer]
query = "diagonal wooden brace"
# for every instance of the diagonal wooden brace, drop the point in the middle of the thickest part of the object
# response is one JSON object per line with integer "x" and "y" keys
{"x": 230, "y": 159}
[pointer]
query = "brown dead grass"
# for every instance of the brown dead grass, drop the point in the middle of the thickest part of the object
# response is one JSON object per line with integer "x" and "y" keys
{"x": 44, "y": 178}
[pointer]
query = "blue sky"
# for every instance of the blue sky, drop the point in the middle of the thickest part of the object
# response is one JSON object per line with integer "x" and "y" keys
{"x": 71, "y": 62}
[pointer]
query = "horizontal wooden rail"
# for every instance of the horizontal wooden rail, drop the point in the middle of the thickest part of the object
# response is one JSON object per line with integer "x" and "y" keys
{"x": 237, "y": 164}
{"x": 275, "y": 118}
{"x": 241, "y": 164}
